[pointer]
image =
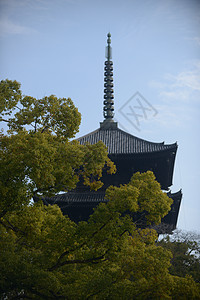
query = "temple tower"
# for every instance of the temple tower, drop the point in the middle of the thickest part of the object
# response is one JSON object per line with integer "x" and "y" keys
{"x": 130, "y": 155}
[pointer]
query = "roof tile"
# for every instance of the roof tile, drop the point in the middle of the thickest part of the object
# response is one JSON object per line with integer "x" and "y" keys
{"x": 120, "y": 142}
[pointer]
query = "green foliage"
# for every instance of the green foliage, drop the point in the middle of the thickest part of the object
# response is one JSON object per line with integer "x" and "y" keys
{"x": 43, "y": 254}
{"x": 185, "y": 248}
{"x": 36, "y": 157}
{"x": 10, "y": 95}
{"x": 56, "y": 115}
{"x": 143, "y": 195}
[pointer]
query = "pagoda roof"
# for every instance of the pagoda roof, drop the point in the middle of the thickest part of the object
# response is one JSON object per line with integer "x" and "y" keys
{"x": 118, "y": 141}
{"x": 73, "y": 197}
{"x": 89, "y": 200}
{"x": 77, "y": 197}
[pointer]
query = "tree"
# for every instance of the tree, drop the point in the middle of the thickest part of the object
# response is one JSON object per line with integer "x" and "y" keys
{"x": 45, "y": 255}
{"x": 36, "y": 156}
{"x": 185, "y": 247}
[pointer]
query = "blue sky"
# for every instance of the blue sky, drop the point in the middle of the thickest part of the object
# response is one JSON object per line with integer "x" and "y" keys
{"x": 58, "y": 47}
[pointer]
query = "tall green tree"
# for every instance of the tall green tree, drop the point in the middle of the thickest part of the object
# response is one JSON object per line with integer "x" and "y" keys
{"x": 45, "y": 255}
{"x": 185, "y": 248}
{"x": 36, "y": 155}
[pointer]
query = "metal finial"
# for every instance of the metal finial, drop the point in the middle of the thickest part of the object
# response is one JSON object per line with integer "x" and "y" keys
{"x": 109, "y": 48}
{"x": 109, "y": 38}
{"x": 108, "y": 91}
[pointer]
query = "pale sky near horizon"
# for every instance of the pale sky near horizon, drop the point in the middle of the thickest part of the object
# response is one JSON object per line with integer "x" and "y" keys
{"x": 58, "y": 47}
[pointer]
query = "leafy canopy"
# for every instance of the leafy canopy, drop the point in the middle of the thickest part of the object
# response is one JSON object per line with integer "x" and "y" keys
{"x": 45, "y": 255}
{"x": 56, "y": 115}
{"x": 36, "y": 156}
{"x": 185, "y": 247}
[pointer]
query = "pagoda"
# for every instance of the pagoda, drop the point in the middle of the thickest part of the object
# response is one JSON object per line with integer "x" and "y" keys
{"x": 129, "y": 153}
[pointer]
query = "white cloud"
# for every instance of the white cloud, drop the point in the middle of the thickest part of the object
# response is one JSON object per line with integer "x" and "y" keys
{"x": 173, "y": 116}
{"x": 181, "y": 95}
{"x": 190, "y": 78}
{"x": 181, "y": 86}
{"x": 178, "y": 97}
{"x": 9, "y": 27}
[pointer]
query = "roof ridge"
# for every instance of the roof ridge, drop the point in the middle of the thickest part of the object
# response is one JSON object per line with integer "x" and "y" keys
{"x": 119, "y": 141}
{"x": 155, "y": 143}
{"x": 127, "y": 134}
{"x": 88, "y": 134}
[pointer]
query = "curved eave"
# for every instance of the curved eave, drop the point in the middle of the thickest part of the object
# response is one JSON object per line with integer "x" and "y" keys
{"x": 162, "y": 152}
{"x": 120, "y": 142}
{"x": 72, "y": 203}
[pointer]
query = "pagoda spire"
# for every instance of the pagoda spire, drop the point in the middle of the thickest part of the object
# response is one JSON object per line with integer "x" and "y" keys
{"x": 108, "y": 110}
{"x": 108, "y": 83}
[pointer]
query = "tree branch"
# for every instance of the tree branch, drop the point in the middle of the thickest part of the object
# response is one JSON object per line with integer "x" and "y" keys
{"x": 4, "y": 120}
{"x": 10, "y": 226}
{"x": 77, "y": 248}
{"x": 77, "y": 261}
